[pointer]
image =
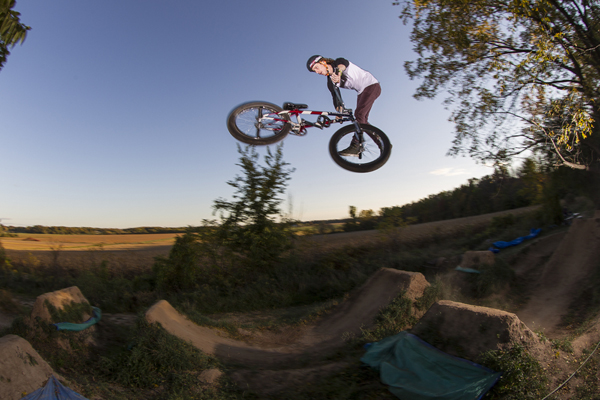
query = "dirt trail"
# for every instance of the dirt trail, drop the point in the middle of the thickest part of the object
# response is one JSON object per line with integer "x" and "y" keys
{"x": 574, "y": 260}
{"x": 301, "y": 344}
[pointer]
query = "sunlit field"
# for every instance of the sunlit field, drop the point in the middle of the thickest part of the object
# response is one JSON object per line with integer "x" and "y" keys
{"x": 29, "y": 241}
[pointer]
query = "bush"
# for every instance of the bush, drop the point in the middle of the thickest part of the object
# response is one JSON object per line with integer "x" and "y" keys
{"x": 181, "y": 270}
{"x": 522, "y": 376}
{"x": 157, "y": 358}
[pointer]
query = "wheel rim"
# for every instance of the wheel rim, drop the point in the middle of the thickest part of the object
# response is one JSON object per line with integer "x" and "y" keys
{"x": 371, "y": 149}
{"x": 250, "y": 122}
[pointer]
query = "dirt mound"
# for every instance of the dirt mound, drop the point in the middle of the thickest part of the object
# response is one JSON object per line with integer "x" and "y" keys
{"x": 48, "y": 306}
{"x": 562, "y": 277}
{"x": 58, "y": 299}
{"x": 22, "y": 369}
{"x": 357, "y": 311}
{"x": 466, "y": 331}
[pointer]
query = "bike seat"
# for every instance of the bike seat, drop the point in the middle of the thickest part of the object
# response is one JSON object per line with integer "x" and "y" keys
{"x": 294, "y": 106}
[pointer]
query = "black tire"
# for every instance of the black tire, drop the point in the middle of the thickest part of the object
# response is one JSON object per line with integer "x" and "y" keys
{"x": 244, "y": 124}
{"x": 376, "y": 151}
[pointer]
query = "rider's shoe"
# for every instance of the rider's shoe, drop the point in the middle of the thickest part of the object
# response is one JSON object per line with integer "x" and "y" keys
{"x": 352, "y": 151}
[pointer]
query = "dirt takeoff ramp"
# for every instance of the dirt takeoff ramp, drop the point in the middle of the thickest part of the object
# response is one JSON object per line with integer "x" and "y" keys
{"x": 564, "y": 275}
{"x": 359, "y": 310}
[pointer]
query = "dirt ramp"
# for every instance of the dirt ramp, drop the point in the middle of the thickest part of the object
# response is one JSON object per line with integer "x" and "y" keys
{"x": 466, "y": 331}
{"x": 359, "y": 310}
{"x": 22, "y": 369}
{"x": 214, "y": 342}
{"x": 574, "y": 260}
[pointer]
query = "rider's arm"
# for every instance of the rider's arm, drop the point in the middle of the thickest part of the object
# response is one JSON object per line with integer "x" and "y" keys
{"x": 341, "y": 64}
{"x": 331, "y": 87}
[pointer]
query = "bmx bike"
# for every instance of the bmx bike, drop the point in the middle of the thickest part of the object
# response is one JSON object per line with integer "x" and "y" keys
{"x": 262, "y": 123}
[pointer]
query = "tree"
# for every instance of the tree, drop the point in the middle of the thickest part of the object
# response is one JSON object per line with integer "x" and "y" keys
{"x": 12, "y": 31}
{"x": 519, "y": 74}
{"x": 252, "y": 223}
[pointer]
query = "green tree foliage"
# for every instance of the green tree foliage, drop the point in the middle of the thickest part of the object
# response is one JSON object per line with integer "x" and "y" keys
{"x": 519, "y": 74}
{"x": 532, "y": 179}
{"x": 12, "y": 31}
{"x": 252, "y": 224}
{"x": 181, "y": 270}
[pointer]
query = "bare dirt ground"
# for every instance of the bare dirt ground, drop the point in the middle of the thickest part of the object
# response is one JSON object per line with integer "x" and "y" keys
{"x": 574, "y": 257}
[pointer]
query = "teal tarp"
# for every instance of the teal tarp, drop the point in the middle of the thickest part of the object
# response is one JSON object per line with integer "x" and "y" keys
{"x": 54, "y": 390}
{"x": 68, "y": 326}
{"x": 415, "y": 370}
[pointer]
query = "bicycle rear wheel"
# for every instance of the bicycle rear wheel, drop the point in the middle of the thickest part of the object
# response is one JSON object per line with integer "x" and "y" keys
{"x": 257, "y": 123}
{"x": 375, "y": 150}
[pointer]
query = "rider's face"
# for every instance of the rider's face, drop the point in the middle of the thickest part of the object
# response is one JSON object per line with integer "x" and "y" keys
{"x": 320, "y": 69}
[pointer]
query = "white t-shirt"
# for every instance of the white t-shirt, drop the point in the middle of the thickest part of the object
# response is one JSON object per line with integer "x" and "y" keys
{"x": 356, "y": 78}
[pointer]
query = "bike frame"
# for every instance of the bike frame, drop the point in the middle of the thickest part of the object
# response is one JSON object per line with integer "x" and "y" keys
{"x": 300, "y": 125}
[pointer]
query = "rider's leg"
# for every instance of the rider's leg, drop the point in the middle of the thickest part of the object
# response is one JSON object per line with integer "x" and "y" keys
{"x": 365, "y": 101}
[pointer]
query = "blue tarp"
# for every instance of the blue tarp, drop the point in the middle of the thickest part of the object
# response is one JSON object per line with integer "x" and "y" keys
{"x": 68, "y": 326}
{"x": 415, "y": 370}
{"x": 502, "y": 245}
{"x": 54, "y": 390}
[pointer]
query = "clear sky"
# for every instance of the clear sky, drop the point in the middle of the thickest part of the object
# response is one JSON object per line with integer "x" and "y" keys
{"x": 113, "y": 113}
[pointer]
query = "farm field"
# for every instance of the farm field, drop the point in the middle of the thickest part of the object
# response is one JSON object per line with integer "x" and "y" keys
{"x": 46, "y": 242}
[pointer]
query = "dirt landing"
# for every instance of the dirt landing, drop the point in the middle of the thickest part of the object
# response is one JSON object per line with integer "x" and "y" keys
{"x": 573, "y": 261}
{"x": 466, "y": 331}
{"x": 22, "y": 369}
{"x": 358, "y": 311}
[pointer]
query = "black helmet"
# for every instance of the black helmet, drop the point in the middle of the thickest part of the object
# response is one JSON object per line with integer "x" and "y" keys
{"x": 312, "y": 61}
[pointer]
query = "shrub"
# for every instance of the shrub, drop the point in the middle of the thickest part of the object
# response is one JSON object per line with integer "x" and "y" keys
{"x": 156, "y": 358}
{"x": 181, "y": 270}
{"x": 522, "y": 376}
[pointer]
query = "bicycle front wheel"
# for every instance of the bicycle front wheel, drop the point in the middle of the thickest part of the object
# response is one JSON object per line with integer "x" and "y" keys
{"x": 372, "y": 155}
{"x": 257, "y": 123}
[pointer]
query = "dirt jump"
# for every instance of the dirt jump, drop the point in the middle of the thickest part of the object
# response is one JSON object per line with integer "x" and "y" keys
{"x": 574, "y": 258}
{"x": 298, "y": 344}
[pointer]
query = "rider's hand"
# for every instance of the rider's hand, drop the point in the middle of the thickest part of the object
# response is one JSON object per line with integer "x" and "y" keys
{"x": 340, "y": 110}
{"x": 335, "y": 78}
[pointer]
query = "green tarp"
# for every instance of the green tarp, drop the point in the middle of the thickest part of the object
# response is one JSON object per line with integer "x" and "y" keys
{"x": 415, "y": 370}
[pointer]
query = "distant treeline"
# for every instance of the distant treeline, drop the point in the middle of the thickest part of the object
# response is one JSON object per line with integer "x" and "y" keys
{"x": 492, "y": 193}
{"x": 66, "y": 230}
{"x": 500, "y": 191}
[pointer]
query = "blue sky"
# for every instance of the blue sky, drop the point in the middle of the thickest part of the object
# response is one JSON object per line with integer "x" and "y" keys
{"x": 113, "y": 113}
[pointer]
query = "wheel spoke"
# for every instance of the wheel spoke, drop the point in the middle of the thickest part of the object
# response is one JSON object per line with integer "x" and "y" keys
{"x": 253, "y": 123}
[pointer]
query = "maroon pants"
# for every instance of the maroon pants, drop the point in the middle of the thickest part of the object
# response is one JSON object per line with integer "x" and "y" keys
{"x": 365, "y": 101}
